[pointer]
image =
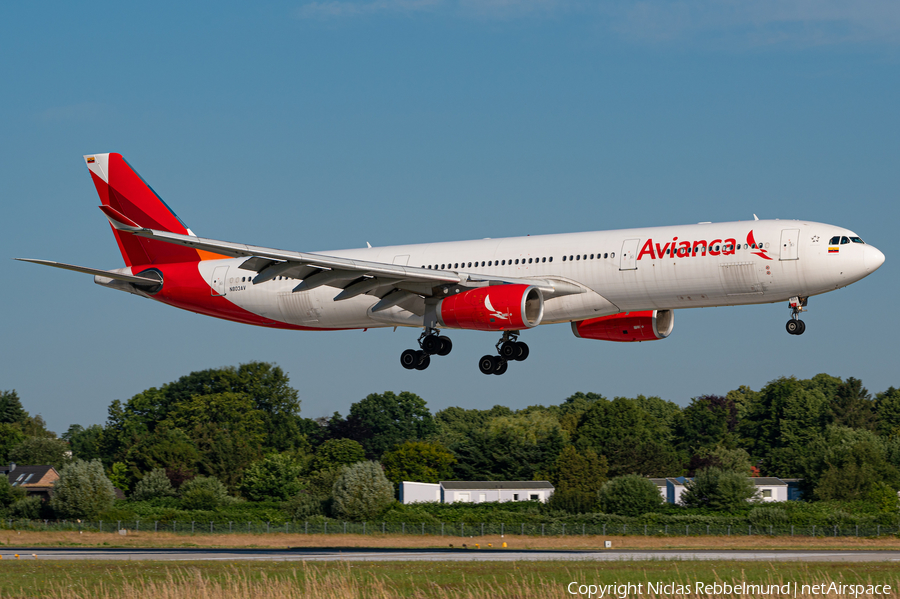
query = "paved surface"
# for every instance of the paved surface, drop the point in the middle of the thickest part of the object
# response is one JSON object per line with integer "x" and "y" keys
{"x": 407, "y": 555}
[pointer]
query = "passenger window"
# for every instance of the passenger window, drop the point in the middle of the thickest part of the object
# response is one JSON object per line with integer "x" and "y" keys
{"x": 845, "y": 240}
{"x": 835, "y": 240}
{"x": 578, "y": 257}
{"x": 612, "y": 255}
{"x": 570, "y": 258}
{"x": 550, "y": 259}
{"x": 585, "y": 256}
{"x": 529, "y": 261}
{"x": 606, "y": 255}
{"x": 592, "y": 256}
{"x": 482, "y": 262}
{"x": 564, "y": 258}
{"x": 470, "y": 265}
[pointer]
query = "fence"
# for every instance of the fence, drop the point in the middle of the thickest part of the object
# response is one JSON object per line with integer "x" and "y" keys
{"x": 448, "y": 529}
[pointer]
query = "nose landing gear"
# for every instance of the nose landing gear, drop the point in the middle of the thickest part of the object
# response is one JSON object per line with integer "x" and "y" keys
{"x": 795, "y": 326}
{"x": 509, "y": 350}
{"x": 432, "y": 344}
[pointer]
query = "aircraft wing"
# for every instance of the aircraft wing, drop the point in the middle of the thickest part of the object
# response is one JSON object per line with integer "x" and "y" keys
{"x": 392, "y": 283}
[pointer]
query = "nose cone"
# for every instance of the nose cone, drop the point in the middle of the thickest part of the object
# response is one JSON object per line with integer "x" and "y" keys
{"x": 872, "y": 258}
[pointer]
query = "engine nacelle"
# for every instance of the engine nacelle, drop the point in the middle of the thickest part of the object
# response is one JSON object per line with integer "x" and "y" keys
{"x": 493, "y": 308}
{"x": 648, "y": 325}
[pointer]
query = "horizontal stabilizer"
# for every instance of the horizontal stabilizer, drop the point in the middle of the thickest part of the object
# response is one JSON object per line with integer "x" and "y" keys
{"x": 95, "y": 271}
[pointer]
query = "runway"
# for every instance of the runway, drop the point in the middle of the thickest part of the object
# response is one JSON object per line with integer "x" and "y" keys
{"x": 435, "y": 555}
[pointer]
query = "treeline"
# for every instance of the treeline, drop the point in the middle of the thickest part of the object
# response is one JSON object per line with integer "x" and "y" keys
{"x": 231, "y": 437}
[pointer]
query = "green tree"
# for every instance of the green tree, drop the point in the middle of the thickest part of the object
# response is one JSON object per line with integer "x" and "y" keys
{"x": 11, "y": 435}
{"x": 85, "y": 443}
{"x": 8, "y": 493}
{"x": 583, "y": 472}
{"x": 456, "y": 424}
{"x": 40, "y": 451}
{"x": 203, "y": 493}
{"x": 166, "y": 447}
{"x": 633, "y": 441}
{"x": 852, "y": 462}
{"x": 335, "y": 453}
{"x": 275, "y": 478}
{"x": 852, "y": 406}
{"x": 381, "y": 421}
{"x": 887, "y": 407}
{"x": 27, "y": 508}
{"x": 885, "y": 498}
{"x": 82, "y": 491}
{"x": 419, "y": 461}
{"x": 737, "y": 460}
{"x": 718, "y": 489}
{"x": 11, "y": 410}
{"x": 118, "y": 476}
{"x": 630, "y": 495}
{"x": 154, "y": 485}
{"x": 708, "y": 421}
{"x": 362, "y": 492}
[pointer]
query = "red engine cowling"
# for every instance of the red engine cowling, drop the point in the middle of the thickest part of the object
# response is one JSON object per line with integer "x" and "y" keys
{"x": 493, "y": 308}
{"x": 648, "y": 325}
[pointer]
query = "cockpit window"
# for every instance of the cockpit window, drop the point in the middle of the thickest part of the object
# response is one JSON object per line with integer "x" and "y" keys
{"x": 835, "y": 240}
{"x": 857, "y": 240}
{"x": 845, "y": 240}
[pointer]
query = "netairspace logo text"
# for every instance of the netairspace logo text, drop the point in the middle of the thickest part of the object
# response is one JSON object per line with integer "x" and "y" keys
{"x": 791, "y": 589}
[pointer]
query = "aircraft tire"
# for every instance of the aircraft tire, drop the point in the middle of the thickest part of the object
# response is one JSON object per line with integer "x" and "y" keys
{"x": 792, "y": 327}
{"x": 409, "y": 359}
{"x": 446, "y": 346}
{"x": 431, "y": 344}
{"x": 424, "y": 361}
{"x": 509, "y": 350}
{"x": 486, "y": 364}
{"x": 523, "y": 351}
{"x": 502, "y": 365}
{"x": 802, "y": 328}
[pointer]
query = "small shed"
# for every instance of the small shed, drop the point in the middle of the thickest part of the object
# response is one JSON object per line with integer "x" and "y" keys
{"x": 770, "y": 488}
{"x": 661, "y": 485}
{"x": 479, "y": 491}
{"x": 36, "y": 480}
{"x": 675, "y": 489}
{"x": 413, "y": 492}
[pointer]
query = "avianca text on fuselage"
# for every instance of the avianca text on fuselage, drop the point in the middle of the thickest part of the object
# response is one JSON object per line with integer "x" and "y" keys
{"x": 691, "y": 249}
{"x": 607, "y": 285}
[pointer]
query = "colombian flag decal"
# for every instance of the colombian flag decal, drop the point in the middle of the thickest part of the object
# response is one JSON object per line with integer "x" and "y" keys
{"x": 833, "y": 250}
{"x": 90, "y": 160}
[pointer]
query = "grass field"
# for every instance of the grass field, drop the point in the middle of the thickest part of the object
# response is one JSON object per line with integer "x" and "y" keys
{"x": 281, "y": 541}
{"x": 538, "y": 580}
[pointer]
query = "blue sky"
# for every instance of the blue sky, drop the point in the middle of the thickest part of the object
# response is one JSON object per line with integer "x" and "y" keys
{"x": 324, "y": 125}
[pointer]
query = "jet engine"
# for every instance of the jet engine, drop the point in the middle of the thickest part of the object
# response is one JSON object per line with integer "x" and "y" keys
{"x": 647, "y": 325}
{"x": 493, "y": 308}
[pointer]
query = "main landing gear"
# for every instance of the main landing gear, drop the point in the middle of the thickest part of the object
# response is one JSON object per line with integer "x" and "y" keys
{"x": 508, "y": 349}
{"x": 795, "y": 326}
{"x": 432, "y": 344}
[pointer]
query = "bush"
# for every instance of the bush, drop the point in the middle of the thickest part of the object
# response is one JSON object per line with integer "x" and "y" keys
{"x": 303, "y": 505}
{"x": 8, "y": 493}
{"x": 630, "y": 495}
{"x": 154, "y": 485}
{"x": 362, "y": 492}
{"x": 274, "y": 477}
{"x": 82, "y": 491}
{"x": 573, "y": 501}
{"x": 28, "y": 508}
{"x": 204, "y": 493}
{"x": 768, "y": 516}
{"x": 718, "y": 489}
{"x": 335, "y": 453}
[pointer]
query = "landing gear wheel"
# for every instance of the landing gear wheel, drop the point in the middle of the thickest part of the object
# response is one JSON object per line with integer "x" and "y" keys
{"x": 802, "y": 327}
{"x": 509, "y": 350}
{"x": 793, "y": 326}
{"x": 522, "y": 351}
{"x": 431, "y": 344}
{"x": 446, "y": 346}
{"x": 424, "y": 360}
{"x": 409, "y": 359}
{"x": 501, "y": 365}
{"x": 486, "y": 364}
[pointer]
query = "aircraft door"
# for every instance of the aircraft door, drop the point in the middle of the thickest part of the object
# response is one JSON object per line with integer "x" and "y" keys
{"x": 629, "y": 254}
{"x": 790, "y": 244}
{"x": 219, "y": 278}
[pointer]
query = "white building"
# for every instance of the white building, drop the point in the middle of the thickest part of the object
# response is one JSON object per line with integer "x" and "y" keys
{"x": 411, "y": 492}
{"x": 479, "y": 491}
{"x": 769, "y": 488}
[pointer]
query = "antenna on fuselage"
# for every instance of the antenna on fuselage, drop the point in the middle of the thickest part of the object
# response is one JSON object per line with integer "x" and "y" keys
{"x": 755, "y": 217}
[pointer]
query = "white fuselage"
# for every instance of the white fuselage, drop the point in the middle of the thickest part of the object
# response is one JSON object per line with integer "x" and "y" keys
{"x": 715, "y": 264}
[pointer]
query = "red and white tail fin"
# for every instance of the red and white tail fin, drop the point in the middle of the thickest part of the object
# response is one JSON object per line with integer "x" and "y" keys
{"x": 124, "y": 193}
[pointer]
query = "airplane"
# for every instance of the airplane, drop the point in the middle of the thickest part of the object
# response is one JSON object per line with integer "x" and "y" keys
{"x": 621, "y": 285}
